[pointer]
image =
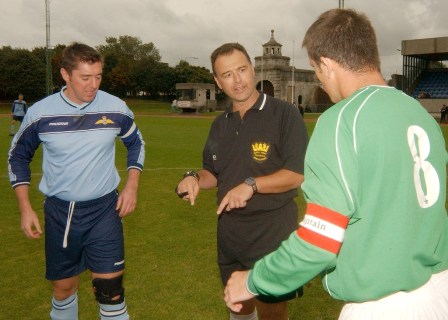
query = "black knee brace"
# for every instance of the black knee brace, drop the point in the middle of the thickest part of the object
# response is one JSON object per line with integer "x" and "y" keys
{"x": 107, "y": 289}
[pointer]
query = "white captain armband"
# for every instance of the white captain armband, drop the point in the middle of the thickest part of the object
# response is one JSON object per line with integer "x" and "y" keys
{"x": 323, "y": 228}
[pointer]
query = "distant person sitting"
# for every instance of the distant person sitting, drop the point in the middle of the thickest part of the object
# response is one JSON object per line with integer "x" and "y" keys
{"x": 424, "y": 95}
{"x": 443, "y": 113}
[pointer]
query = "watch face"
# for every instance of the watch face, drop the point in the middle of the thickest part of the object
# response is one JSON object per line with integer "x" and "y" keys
{"x": 250, "y": 181}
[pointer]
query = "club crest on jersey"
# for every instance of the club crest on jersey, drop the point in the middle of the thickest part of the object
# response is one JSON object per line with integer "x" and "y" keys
{"x": 104, "y": 120}
{"x": 260, "y": 151}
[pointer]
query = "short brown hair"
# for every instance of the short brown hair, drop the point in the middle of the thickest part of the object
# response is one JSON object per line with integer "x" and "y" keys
{"x": 76, "y": 53}
{"x": 346, "y": 37}
{"x": 227, "y": 49}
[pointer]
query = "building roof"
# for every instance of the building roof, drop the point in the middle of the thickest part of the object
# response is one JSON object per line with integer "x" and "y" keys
{"x": 272, "y": 41}
{"x": 429, "y": 49}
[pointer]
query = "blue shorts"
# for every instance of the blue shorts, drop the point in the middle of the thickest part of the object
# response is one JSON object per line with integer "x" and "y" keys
{"x": 18, "y": 118}
{"x": 83, "y": 235}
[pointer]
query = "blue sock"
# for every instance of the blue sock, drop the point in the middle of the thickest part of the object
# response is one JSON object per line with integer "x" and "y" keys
{"x": 66, "y": 309}
{"x": 114, "y": 311}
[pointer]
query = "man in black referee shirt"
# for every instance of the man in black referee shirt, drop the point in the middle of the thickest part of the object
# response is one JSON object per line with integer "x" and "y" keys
{"x": 254, "y": 155}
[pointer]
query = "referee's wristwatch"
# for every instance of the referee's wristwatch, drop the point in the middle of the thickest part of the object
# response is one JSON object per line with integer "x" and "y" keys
{"x": 192, "y": 173}
{"x": 252, "y": 183}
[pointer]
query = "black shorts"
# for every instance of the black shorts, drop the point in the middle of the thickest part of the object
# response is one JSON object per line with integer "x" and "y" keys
{"x": 245, "y": 238}
{"x": 91, "y": 239}
{"x": 18, "y": 118}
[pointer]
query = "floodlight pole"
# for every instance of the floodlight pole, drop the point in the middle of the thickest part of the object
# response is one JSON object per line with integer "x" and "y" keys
{"x": 49, "y": 77}
{"x": 293, "y": 82}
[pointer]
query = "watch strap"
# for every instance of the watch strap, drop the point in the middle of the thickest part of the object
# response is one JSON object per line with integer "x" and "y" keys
{"x": 252, "y": 183}
{"x": 192, "y": 173}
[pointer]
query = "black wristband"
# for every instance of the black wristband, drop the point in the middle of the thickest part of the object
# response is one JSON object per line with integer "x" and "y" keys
{"x": 182, "y": 194}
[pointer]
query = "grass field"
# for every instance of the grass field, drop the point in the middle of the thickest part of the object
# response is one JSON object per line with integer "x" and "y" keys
{"x": 171, "y": 270}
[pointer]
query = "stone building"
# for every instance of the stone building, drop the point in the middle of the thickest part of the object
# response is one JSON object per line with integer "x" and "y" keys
{"x": 275, "y": 76}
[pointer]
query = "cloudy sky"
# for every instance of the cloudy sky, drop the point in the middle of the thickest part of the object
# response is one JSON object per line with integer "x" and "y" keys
{"x": 183, "y": 29}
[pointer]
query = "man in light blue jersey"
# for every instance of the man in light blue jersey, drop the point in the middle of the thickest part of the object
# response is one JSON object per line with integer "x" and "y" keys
{"x": 375, "y": 225}
{"x": 18, "y": 111}
{"x": 77, "y": 128}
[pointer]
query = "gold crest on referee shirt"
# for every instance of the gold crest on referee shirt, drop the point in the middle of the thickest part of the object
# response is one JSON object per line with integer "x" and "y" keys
{"x": 260, "y": 151}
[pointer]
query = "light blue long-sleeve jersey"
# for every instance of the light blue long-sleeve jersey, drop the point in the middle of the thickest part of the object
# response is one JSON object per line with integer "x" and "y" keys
{"x": 78, "y": 146}
{"x": 19, "y": 108}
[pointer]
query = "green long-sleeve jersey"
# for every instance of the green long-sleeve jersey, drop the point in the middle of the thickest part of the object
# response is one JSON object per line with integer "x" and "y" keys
{"x": 375, "y": 186}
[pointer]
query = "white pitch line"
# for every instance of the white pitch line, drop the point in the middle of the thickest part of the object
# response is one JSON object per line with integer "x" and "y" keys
{"x": 121, "y": 170}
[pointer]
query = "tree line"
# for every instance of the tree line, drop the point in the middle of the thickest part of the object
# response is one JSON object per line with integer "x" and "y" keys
{"x": 130, "y": 68}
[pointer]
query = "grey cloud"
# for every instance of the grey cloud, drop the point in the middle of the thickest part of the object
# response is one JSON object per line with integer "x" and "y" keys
{"x": 184, "y": 28}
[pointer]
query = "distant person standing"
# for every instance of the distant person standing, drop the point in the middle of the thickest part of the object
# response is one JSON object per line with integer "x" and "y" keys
{"x": 18, "y": 111}
{"x": 443, "y": 113}
{"x": 174, "y": 106}
{"x": 301, "y": 110}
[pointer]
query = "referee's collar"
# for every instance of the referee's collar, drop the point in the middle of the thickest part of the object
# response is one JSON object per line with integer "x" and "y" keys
{"x": 258, "y": 105}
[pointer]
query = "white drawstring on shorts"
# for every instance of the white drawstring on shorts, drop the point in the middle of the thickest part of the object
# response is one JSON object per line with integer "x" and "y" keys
{"x": 71, "y": 208}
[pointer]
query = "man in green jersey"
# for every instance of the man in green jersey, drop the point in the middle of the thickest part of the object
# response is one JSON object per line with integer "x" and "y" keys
{"x": 375, "y": 226}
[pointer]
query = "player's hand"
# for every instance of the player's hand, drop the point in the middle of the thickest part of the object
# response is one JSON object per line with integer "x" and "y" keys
{"x": 236, "y": 198}
{"x": 188, "y": 189}
{"x": 236, "y": 291}
{"x": 127, "y": 201}
{"x": 30, "y": 224}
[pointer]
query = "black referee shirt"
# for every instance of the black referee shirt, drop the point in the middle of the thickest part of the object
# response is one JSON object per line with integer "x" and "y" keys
{"x": 271, "y": 136}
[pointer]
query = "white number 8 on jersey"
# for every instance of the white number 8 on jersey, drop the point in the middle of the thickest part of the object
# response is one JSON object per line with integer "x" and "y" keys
{"x": 423, "y": 170}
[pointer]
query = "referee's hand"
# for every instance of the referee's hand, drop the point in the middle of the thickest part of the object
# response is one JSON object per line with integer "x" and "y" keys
{"x": 235, "y": 198}
{"x": 188, "y": 189}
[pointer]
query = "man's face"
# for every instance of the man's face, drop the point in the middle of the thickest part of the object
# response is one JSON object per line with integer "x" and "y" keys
{"x": 84, "y": 81}
{"x": 235, "y": 76}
